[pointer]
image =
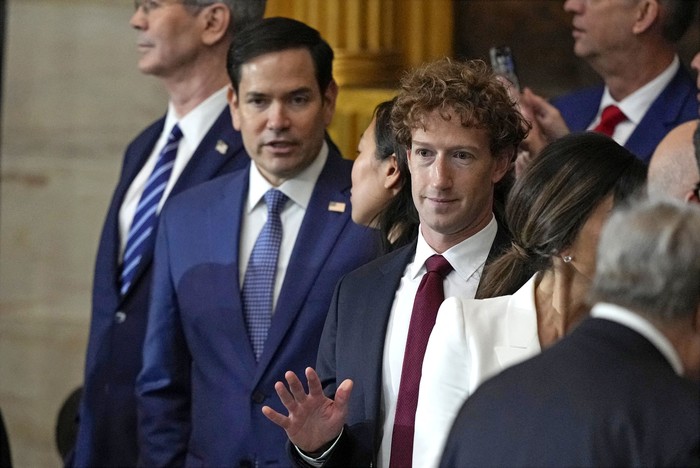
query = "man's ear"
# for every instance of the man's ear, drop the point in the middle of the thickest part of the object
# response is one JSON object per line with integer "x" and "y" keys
{"x": 392, "y": 175}
{"x": 648, "y": 12}
{"x": 690, "y": 197}
{"x": 233, "y": 106}
{"x": 216, "y": 18}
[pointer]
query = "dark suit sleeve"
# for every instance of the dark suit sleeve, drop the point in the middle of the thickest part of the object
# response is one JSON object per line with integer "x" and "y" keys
{"x": 355, "y": 445}
{"x": 163, "y": 386}
{"x": 325, "y": 367}
{"x": 325, "y": 362}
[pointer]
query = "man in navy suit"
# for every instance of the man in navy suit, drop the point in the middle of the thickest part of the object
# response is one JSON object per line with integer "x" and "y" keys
{"x": 623, "y": 389}
{"x": 184, "y": 44}
{"x": 631, "y": 44}
{"x": 462, "y": 130}
{"x": 206, "y": 372}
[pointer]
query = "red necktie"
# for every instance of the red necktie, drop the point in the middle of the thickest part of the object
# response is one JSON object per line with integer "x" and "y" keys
{"x": 425, "y": 307}
{"x": 611, "y": 116}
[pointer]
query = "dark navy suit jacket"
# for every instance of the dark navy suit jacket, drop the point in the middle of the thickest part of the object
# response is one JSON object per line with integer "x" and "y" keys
{"x": 602, "y": 396}
{"x": 676, "y": 104}
{"x": 107, "y": 433}
{"x": 352, "y": 347}
{"x": 201, "y": 390}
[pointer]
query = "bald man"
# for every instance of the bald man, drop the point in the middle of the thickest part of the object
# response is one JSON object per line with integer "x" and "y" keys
{"x": 673, "y": 169}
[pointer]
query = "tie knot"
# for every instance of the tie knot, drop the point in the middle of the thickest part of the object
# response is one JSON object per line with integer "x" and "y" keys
{"x": 613, "y": 114}
{"x": 175, "y": 134}
{"x": 438, "y": 264}
{"x": 275, "y": 200}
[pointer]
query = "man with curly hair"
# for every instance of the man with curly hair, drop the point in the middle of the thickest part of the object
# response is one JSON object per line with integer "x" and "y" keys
{"x": 461, "y": 131}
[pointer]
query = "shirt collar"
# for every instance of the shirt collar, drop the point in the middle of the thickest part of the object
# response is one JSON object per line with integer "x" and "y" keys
{"x": 636, "y": 104}
{"x": 297, "y": 189}
{"x": 197, "y": 122}
{"x": 642, "y": 326}
{"x": 466, "y": 257}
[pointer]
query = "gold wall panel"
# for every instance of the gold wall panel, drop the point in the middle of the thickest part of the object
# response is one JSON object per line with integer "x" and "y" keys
{"x": 374, "y": 42}
{"x": 352, "y": 115}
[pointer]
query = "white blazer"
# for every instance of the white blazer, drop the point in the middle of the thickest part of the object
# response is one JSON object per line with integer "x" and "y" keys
{"x": 472, "y": 340}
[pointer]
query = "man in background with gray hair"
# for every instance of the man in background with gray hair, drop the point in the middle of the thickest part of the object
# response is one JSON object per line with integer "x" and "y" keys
{"x": 183, "y": 43}
{"x": 623, "y": 388}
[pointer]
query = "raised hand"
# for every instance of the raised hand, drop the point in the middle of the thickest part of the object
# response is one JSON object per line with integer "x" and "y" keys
{"x": 314, "y": 420}
{"x": 548, "y": 117}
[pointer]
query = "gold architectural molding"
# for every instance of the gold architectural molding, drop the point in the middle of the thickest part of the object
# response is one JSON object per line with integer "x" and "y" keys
{"x": 374, "y": 42}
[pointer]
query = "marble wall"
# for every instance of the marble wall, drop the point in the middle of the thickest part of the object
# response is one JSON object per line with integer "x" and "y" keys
{"x": 72, "y": 99}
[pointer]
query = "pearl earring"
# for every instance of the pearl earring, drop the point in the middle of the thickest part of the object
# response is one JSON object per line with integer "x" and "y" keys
{"x": 567, "y": 258}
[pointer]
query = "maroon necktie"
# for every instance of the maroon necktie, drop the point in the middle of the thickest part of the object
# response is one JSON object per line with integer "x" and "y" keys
{"x": 611, "y": 116}
{"x": 425, "y": 307}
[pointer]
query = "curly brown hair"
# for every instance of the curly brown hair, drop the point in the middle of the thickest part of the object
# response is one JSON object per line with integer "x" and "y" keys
{"x": 469, "y": 89}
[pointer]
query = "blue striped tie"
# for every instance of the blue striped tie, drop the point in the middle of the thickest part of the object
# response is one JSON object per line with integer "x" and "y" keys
{"x": 140, "y": 239}
{"x": 259, "y": 281}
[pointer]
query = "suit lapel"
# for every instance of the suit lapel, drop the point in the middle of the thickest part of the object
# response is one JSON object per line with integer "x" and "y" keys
{"x": 136, "y": 156}
{"x": 224, "y": 221}
{"x": 317, "y": 236}
{"x": 661, "y": 117}
{"x": 217, "y": 148}
{"x": 500, "y": 243}
{"x": 207, "y": 161}
{"x": 522, "y": 340}
{"x": 376, "y": 308}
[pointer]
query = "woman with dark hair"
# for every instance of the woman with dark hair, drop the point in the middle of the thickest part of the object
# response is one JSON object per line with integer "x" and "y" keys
{"x": 555, "y": 212}
{"x": 381, "y": 183}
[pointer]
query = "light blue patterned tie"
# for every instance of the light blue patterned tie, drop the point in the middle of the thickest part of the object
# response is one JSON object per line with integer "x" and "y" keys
{"x": 259, "y": 281}
{"x": 140, "y": 239}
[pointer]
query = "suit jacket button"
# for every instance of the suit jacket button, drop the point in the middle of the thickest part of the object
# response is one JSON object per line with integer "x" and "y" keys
{"x": 119, "y": 317}
{"x": 258, "y": 397}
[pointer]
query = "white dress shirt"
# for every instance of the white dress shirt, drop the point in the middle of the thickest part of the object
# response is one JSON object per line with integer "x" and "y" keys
{"x": 642, "y": 326}
{"x": 194, "y": 127}
{"x": 467, "y": 258}
{"x": 298, "y": 190}
{"x": 636, "y": 105}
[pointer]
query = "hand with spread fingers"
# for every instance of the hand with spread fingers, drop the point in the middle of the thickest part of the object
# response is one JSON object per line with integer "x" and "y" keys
{"x": 314, "y": 420}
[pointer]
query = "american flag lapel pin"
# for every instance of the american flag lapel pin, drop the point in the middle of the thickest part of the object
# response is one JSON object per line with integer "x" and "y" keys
{"x": 221, "y": 147}
{"x": 336, "y": 207}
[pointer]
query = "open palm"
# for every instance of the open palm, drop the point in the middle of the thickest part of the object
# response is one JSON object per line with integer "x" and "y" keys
{"x": 314, "y": 420}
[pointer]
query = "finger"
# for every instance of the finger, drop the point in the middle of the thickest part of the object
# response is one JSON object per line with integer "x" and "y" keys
{"x": 277, "y": 418}
{"x": 295, "y": 386}
{"x": 286, "y": 398}
{"x": 315, "y": 388}
{"x": 342, "y": 394}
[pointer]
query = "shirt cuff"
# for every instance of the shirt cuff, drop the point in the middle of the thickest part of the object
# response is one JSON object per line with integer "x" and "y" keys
{"x": 318, "y": 462}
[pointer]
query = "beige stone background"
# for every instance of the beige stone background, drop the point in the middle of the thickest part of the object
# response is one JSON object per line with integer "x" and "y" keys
{"x": 72, "y": 99}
